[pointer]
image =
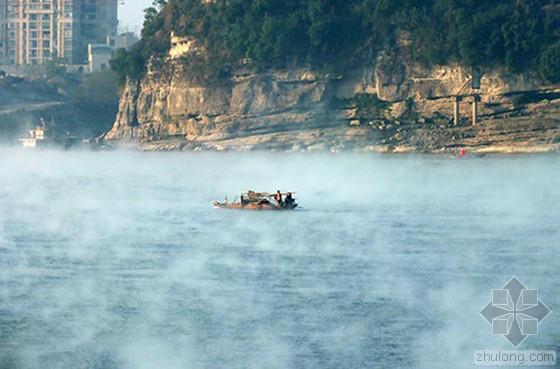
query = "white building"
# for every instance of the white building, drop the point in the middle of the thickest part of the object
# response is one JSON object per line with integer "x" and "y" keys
{"x": 99, "y": 56}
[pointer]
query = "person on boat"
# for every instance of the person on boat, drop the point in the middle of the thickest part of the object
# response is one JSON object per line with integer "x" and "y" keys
{"x": 278, "y": 198}
{"x": 289, "y": 202}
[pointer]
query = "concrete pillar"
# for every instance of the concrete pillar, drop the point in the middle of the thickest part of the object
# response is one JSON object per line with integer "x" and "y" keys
{"x": 456, "y": 114}
{"x": 476, "y": 100}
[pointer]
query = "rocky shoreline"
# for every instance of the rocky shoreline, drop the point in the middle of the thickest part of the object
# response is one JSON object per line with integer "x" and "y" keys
{"x": 537, "y": 132}
{"x": 494, "y": 138}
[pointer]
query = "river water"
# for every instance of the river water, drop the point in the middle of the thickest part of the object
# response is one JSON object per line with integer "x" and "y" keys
{"x": 118, "y": 260}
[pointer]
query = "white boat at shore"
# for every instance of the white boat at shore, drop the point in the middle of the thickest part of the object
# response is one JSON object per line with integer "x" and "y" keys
{"x": 42, "y": 137}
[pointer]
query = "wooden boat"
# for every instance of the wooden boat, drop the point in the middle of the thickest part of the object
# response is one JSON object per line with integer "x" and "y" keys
{"x": 258, "y": 201}
{"x": 238, "y": 206}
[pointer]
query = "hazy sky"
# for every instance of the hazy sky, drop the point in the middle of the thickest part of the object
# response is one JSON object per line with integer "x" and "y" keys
{"x": 131, "y": 14}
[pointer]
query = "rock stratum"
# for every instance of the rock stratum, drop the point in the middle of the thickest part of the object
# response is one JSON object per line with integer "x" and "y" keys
{"x": 385, "y": 105}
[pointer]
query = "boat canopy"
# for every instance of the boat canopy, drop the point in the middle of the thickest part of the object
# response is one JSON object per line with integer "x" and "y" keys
{"x": 252, "y": 195}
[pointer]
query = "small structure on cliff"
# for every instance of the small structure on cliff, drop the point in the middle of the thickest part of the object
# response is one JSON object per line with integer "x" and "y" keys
{"x": 475, "y": 85}
{"x": 183, "y": 45}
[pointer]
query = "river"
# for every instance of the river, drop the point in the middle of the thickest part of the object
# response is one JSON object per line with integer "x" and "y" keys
{"x": 118, "y": 260}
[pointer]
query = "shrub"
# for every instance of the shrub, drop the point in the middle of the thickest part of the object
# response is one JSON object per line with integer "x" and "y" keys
{"x": 549, "y": 64}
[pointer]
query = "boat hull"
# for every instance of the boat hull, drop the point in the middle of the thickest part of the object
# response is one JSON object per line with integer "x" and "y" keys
{"x": 254, "y": 207}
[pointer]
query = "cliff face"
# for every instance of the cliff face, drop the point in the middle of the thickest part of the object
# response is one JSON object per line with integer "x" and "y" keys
{"x": 300, "y": 109}
{"x": 249, "y": 106}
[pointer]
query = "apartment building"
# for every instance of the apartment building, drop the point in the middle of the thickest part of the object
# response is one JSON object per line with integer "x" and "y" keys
{"x": 34, "y": 31}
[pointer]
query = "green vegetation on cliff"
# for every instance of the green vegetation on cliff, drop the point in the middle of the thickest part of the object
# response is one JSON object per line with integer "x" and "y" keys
{"x": 334, "y": 34}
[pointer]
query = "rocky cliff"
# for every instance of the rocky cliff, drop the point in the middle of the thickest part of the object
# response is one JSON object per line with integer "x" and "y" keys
{"x": 386, "y": 104}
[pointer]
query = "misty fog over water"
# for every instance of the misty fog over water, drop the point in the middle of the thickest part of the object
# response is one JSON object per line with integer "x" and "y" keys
{"x": 118, "y": 260}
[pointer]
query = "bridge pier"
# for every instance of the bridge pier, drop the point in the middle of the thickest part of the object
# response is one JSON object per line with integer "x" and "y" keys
{"x": 476, "y": 100}
{"x": 456, "y": 112}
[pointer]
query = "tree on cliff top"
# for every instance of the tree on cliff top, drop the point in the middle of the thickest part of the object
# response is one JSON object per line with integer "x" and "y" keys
{"x": 127, "y": 64}
{"x": 549, "y": 64}
{"x": 333, "y": 35}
